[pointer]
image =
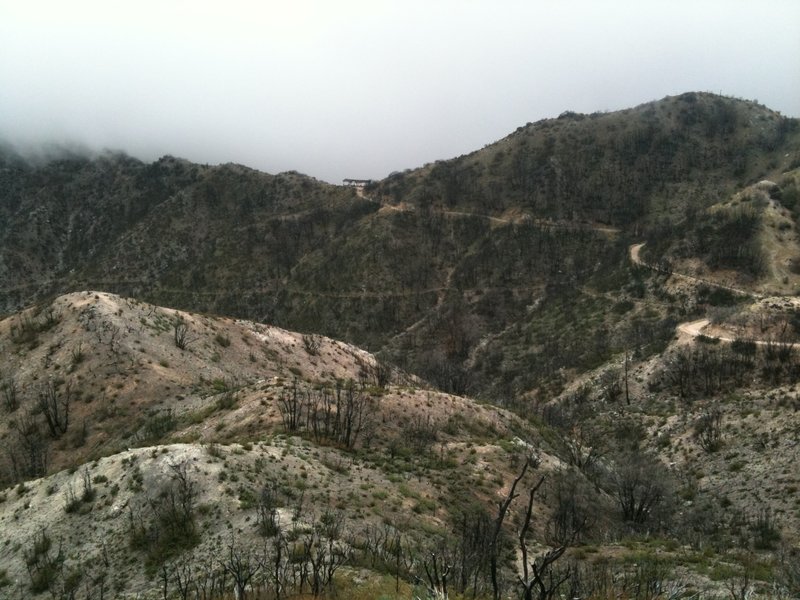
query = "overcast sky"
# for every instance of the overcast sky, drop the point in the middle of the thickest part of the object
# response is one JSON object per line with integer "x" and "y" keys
{"x": 355, "y": 89}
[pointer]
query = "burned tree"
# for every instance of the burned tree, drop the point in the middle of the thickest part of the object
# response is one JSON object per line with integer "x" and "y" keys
{"x": 10, "y": 390}
{"x": 267, "y": 511}
{"x": 165, "y": 524}
{"x": 180, "y": 333}
{"x": 640, "y": 486}
{"x": 54, "y": 405}
{"x": 28, "y": 448}
{"x": 292, "y": 405}
{"x": 708, "y": 429}
{"x": 352, "y": 405}
{"x": 342, "y": 415}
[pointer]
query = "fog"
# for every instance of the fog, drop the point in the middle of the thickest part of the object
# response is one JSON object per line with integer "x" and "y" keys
{"x": 360, "y": 89}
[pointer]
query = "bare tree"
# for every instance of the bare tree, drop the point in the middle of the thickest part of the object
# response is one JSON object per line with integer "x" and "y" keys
{"x": 494, "y": 540}
{"x": 28, "y": 449}
{"x": 291, "y": 405}
{"x": 274, "y": 563}
{"x": 640, "y": 486}
{"x": 10, "y": 390}
{"x": 571, "y": 515}
{"x": 179, "y": 497}
{"x": 383, "y": 374}
{"x": 164, "y": 524}
{"x": 437, "y": 570}
{"x": 325, "y": 552}
{"x": 680, "y": 371}
{"x": 180, "y": 331}
{"x": 740, "y": 588}
{"x": 470, "y": 558}
{"x": 242, "y": 566}
{"x": 180, "y": 574}
{"x": 708, "y": 429}
{"x": 54, "y": 405}
{"x": 584, "y": 447}
{"x": 267, "y": 511}
{"x": 44, "y": 565}
{"x": 355, "y": 415}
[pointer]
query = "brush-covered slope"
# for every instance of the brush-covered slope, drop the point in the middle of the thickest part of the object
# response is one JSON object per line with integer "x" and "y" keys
{"x": 170, "y": 226}
{"x": 748, "y": 241}
{"x": 156, "y": 449}
{"x": 457, "y": 271}
{"x": 719, "y": 405}
{"x": 148, "y": 440}
{"x": 619, "y": 168}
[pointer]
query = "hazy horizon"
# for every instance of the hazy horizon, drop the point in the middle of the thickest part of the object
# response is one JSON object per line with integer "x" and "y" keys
{"x": 361, "y": 89}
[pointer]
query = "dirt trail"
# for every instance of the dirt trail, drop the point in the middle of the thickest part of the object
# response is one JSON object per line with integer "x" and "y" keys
{"x": 695, "y": 328}
{"x": 635, "y": 256}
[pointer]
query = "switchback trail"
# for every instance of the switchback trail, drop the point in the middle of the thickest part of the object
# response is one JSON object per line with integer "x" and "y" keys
{"x": 635, "y": 256}
{"x": 695, "y": 328}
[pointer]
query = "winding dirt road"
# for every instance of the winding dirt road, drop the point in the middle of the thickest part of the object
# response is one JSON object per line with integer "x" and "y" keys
{"x": 635, "y": 256}
{"x": 695, "y": 328}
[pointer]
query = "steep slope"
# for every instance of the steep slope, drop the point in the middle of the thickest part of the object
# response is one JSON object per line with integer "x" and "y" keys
{"x": 106, "y": 387}
{"x": 432, "y": 264}
{"x": 748, "y": 240}
{"x": 169, "y": 227}
{"x": 620, "y": 168}
{"x": 197, "y": 446}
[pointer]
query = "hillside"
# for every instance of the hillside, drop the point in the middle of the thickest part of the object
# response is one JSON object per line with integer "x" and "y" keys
{"x": 140, "y": 459}
{"x": 430, "y": 265}
{"x": 92, "y": 375}
{"x": 566, "y": 362}
{"x": 761, "y": 218}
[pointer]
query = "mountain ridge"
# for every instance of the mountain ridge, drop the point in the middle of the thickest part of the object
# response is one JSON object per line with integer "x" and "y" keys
{"x": 579, "y": 347}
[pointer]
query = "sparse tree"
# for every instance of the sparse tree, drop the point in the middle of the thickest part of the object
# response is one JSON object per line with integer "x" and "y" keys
{"x": 584, "y": 447}
{"x": 180, "y": 330}
{"x": 291, "y": 405}
{"x": 28, "y": 448}
{"x": 355, "y": 414}
{"x": 267, "y": 511}
{"x": 680, "y": 371}
{"x": 571, "y": 515}
{"x": 708, "y": 429}
{"x": 164, "y": 524}
{"x": 437, "y": 570}
{"x": 740, "y": 587}
{"x": 470, "y": 556}
{"x": 640, "y": 486}
{"x": 383, "y": 374}
{"x": 54, "y": 404}
{"x": 241, "y": 564}
{"x": 495, "y": 539}
{"x": 10, "y": 390}
{"x": 44, "y": 563}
